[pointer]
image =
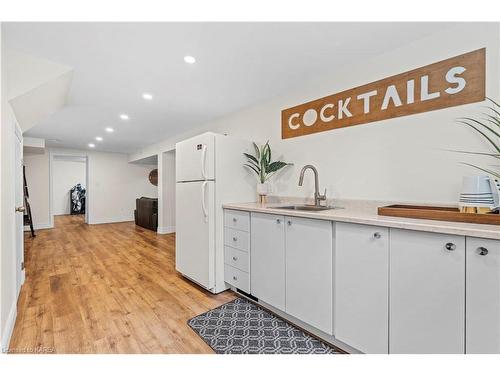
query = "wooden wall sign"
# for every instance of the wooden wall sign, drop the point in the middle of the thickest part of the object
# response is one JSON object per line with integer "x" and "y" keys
{"x": 455, "y": 81}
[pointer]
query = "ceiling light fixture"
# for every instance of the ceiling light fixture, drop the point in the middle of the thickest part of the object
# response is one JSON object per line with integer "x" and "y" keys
{"x": 147, "y": 96}
{"x": 99, "y": 139}
{"x": 189, "y": 59}
{"x": 91, "y": 145}
{"x": 110, "y": 130}
{"x": 124, "y": 116}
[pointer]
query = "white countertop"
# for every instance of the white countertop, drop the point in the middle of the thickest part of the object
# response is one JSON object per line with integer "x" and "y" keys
{"x": 365, "y": 212}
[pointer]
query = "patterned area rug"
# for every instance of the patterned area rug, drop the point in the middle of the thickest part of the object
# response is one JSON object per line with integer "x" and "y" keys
{"x": 241, "y": 327}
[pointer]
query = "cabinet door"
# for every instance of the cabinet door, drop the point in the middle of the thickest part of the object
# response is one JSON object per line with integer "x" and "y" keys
{"x": 267, "y": 259}
{"x": 309, "y": 291}
{"x": 361, "y": 287}
{"x": 427, "y": 292}
{"x": 483, "y": 296}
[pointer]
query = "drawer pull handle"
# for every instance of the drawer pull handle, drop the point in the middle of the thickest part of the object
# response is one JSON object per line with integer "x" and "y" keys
{"x": 483, "y": 251}
{"x": 377, "y": 235}
{"x": 450, "y": 246}
{"x": 235, "y": 258}
{"x": 278, "y": 221}
{"x": 235, "y": 239}
{"x": 235, "y": 278}
{"x": 234, "y": 220}
{"x": 289, "y": 222}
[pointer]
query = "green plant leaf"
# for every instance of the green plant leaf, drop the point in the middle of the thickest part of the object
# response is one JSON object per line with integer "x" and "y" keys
{"x": 493, "y": 173}
{"x": 497, "y": 156}
{"x": 253, "y": 168}
{"x": 251, "y": 157}
{"x": 257, "y": 151}
{"x": 494, "y": 102}
{"x": 494, "y": 120}
{"x": 276, "y": 166}
{"x": 497, "y": 148}
{"x": 483, "y": 125}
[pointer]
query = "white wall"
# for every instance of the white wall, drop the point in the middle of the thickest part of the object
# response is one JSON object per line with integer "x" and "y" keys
{"x": 37, "y": 172}
{"x": 66, "y": 173}
{"x": 166, "y": 192}
{"x": 114, "y": 184}
{"x": 402, "y": 159}
{"x": 8, "y": 297}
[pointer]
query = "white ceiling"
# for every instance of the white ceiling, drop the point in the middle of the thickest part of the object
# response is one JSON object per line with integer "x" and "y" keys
{"x": 238, "y": 64}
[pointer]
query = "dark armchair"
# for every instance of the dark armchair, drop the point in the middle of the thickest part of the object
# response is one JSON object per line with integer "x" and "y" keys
{"x": 146, "y": 213}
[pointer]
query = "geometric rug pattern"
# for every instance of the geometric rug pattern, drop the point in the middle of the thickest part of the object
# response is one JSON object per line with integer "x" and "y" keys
{"x": 242, "y": 327}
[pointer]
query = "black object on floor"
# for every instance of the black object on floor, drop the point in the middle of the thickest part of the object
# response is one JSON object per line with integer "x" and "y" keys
{"x": 27, "y": 217}
{"x": 146, "y": 213}
{"x": 242, "y": 327}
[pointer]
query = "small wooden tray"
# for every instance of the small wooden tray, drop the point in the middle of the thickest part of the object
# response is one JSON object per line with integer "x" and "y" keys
{"x": 438, "y": 213}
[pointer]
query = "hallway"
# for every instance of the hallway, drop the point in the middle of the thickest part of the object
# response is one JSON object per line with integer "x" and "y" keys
{"x": 109, "y": 288}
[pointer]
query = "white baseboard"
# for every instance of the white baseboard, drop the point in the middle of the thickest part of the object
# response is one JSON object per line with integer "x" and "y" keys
{"x": 38, "y": 227}
{"x": 166, "y": 230}
{"x": 9, "y": 327}
{"x": 107, "y": 220}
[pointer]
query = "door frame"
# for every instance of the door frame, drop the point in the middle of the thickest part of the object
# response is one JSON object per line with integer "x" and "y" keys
{"x": 19, "y": 237}
{"x": 56, "y": 153}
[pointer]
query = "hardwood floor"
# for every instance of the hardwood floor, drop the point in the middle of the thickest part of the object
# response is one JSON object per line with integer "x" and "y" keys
{"x": 109, "y": 288}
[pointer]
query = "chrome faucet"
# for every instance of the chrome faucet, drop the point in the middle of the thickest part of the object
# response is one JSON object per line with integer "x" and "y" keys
{"x": 317, "y": 196}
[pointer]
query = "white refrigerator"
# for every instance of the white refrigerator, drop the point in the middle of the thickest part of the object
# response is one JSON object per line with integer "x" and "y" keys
{"x": 209, "y": 173}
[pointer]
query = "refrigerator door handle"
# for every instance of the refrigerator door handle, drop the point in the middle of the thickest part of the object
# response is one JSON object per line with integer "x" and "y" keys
{"x": 203, "y": 159}
{"x": 203, "y": 204}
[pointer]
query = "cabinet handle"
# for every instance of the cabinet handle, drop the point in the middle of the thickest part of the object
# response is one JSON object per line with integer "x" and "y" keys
{"x": 235, "y": 278}
{"x": 278, "y": 221}
{"x": 234, "y": 220}
{"x": 450, "y": 246}
{"x": 377, "y": 235}
{"x": 289, "y": 222}
{"x": 235, "y": 258}
{"x": 482, "y": 251}
{"x": 235, "y": 239}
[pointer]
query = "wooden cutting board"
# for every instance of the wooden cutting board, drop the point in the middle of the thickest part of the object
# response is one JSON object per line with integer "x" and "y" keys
{"x": 438, "y": 213}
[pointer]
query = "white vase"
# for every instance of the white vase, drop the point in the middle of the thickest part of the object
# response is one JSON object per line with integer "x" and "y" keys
{"x": 262, "y": 189}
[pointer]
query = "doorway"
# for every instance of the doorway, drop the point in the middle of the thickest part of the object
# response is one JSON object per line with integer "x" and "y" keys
{"x": 69, "y": 192}
{"x": 19, "y": 207}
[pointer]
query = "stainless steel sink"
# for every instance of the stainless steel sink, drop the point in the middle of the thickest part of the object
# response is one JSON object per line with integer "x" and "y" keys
{"x": 307, "y": 208}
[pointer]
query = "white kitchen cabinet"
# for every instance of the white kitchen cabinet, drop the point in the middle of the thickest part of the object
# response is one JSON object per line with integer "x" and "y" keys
{"x": 483, "y": 296}
{"x": 309, "y": 266}
{"x": 427, "y": 292}
{"x": 361, "y": 287}
{"x": 267, "y": 259}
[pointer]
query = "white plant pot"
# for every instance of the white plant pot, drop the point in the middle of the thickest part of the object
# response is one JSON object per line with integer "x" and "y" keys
{"x": 262, "y": 189}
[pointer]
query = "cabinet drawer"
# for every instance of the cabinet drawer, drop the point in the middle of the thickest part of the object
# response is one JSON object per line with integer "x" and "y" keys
{"x": 236, "y": 238}
{"x": 236, "y": 258}
{"x": 237, "y": 278}
{"x": 237, "y": 220}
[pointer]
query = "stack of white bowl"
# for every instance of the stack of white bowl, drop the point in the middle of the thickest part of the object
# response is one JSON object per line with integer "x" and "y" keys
{"x": 477, "y": 192}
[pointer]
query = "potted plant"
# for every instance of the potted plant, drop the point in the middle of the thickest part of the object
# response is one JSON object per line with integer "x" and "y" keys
{"x": 489, "y": 128}
{"x": 263, "y": 167}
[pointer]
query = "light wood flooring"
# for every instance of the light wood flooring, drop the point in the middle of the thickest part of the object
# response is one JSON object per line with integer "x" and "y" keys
{"x": 109, "y": 288}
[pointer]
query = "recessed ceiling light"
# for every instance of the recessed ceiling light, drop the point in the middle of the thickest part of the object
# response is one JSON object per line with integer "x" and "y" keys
{"x": 110, "y": 130}
{"x": 147, "y": 96}
{"x": 124, "y": 116}
{"x": 91, "y": 145}
{"x": 189, "y": 59}
{"x": 99, "y": 139}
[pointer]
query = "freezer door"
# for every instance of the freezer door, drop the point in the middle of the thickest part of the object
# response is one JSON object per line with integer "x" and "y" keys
{"x": 195, "y": 232}
{"x": 195, "y": 158}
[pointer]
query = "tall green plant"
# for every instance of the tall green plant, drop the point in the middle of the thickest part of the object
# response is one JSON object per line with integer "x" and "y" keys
{"x": 488, "y": 128}
{"x": 261, "y": 162}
